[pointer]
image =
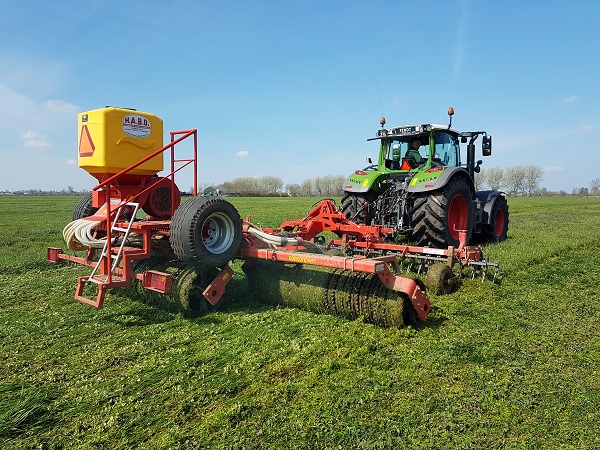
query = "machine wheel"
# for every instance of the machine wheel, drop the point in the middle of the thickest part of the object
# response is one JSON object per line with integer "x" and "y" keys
{"x": 496, "y": 230}
{"x": 356, "y": 207}
{"x": 84, "y": 208}
{"x": 439, "y": 279}
{"x": 437, "y": 217}
{"x": 206, "y": 231}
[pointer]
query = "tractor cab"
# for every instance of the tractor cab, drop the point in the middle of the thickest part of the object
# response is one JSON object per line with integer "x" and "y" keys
{"x": 414, "y": 147}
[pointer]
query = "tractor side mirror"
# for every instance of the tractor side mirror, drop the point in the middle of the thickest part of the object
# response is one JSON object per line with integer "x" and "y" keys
{"x": 369, "y": 161}
{"x": 486, "y": 145}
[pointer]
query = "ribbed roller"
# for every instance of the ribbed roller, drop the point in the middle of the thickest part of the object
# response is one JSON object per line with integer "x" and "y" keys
{"x": 341, "y": 292}
{"x": 188, "y": 284}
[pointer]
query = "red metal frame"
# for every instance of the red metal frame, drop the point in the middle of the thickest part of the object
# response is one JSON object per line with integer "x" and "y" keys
{"x": 109, "y": 195}
{"x": 370, "y": 238}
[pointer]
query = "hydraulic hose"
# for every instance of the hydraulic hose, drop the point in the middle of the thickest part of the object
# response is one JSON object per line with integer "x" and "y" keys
{"x": 79, "y": 235}
{"x": 280, "y": 241}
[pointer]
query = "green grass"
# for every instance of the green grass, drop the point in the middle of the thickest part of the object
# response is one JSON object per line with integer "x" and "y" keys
{"x": 509, "y": 366}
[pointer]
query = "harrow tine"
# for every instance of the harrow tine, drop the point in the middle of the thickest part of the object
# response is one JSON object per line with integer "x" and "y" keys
{"x": 495, "y": 274}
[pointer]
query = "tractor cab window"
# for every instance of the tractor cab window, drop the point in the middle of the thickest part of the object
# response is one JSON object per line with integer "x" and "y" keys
{"x": 394, "y": 153}
{"x": 398, "y": 150}
{"x": 447, "y": 149}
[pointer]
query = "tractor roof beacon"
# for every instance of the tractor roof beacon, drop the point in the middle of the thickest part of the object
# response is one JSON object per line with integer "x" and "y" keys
{"x": 422, "y": 189}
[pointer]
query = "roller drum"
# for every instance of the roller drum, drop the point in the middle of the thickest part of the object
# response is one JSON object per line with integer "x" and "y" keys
{"x": 340, "y": 292}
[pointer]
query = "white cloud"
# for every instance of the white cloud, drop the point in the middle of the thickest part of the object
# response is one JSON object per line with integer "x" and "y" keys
{"x": 242, "y": 154}
{"x": 554, "y": 169}
{"x": 60, "y": 107}
{"x": 585, "y": 128}
{"x": 569, "y": 99}
{"x": 71, "y": 162}
{"x": 34, "y": 140}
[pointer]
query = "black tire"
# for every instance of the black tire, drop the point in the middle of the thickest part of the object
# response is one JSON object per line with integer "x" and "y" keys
{"x": 497, "y": 229}
{"x": 84, "y": 208}
{"x": 437, "y": 217}
{"x": 206, "y": 231}
{"x": 356, "y": 207}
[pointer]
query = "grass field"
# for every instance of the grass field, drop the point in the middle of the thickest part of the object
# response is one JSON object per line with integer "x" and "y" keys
{"x": 509, "y": 366}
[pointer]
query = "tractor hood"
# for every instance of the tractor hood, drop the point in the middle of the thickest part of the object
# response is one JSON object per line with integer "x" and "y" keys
{"x": 365, "y": 180}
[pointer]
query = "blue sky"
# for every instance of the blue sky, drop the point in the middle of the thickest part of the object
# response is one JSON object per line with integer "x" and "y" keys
{"x": 293, "y": 89}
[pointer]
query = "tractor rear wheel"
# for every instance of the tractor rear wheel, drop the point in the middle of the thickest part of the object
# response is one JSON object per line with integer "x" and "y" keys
{"x": 206, "y": 232}
{"x": 496, "y": 230}
{"x": 84, "y": 208}
{"x": 356, "y": 207}
{"x": 437, "y": 217}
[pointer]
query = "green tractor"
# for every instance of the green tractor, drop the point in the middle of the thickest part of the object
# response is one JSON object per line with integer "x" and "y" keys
{"x": 422, "y": 190}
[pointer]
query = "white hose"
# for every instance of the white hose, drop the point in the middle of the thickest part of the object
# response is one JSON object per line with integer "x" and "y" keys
{"x": 281, "y": 241}
{"x": 79, "y": 235}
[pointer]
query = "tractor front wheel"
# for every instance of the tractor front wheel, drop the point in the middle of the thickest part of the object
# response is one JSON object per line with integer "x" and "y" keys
{"x": 206, "y": 232}
{"x": 438, "y": 217}
{"x": 356, "y": 207}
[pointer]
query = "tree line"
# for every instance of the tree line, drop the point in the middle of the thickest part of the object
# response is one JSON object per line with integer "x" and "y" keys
{"x": 517, "y": 180}
{"x": 325, "y": 186}
{"x": 525, "y": 180}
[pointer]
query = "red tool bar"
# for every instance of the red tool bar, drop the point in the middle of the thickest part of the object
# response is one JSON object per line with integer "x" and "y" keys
{"x": 372, "y": 265}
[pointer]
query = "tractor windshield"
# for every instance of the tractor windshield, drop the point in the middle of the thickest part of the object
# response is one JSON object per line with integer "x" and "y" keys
{"x": 409, "y": 147}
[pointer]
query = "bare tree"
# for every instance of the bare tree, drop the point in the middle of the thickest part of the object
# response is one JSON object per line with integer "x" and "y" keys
{"x": 480, "y": 179}
{"x": 294, "y": 189}
{"x": 494, "y": 177}
{"x": 515, "y": 178}
{"x": 595, "y": 186}
{"x": 533, "y": 176}
{"x": 270, "y": 184}
{"x": 308, "y": 187}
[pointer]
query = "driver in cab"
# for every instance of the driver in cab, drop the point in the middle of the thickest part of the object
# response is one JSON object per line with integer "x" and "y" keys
{"x": 413, "y": 151}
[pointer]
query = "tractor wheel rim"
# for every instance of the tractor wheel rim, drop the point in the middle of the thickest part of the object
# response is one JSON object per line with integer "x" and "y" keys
{"x": 457, "y": 215}
{"x": 218, "y": 233}
{"x": 499, "y": 223}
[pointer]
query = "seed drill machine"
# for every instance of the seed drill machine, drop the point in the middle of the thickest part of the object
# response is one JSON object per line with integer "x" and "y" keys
{"x": 134, "y": 229}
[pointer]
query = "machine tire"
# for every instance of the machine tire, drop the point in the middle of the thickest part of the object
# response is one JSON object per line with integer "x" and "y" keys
{"x": 206, "y": 231}
{"x": 437, "y": 216}
{"x": 438, "y": 279}
{"x": 496, "y": 230}
{"x": 84, "y": 208}
{"x": 356, "y": 208}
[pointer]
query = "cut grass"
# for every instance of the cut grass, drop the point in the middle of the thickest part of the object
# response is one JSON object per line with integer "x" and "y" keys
{"x": 509, "y": 366}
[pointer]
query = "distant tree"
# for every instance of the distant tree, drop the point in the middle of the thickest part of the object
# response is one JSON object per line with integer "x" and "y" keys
{"x": 595, "y": 186}
{"x": 514, "y": 179}
{"x": 294, "y": 190}
{"x": 480, "y": 179}
{"x": 533, "y": 176}
{"x": 308, "y": 187}
{"x": 270, "y": 184}
{"x": 494, "y": 177}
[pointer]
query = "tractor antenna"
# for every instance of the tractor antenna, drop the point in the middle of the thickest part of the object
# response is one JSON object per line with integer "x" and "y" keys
{"x": 382, "y": 120}
{"x": 450, "y": 113}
